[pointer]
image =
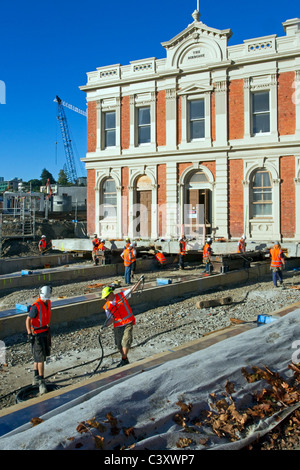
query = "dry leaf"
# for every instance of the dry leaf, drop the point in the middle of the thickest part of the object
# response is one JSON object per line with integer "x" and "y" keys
{"x": 36, "y": 421}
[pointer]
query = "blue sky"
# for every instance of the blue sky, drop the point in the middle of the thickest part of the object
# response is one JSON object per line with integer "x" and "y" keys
{"x": 48, "y": 46}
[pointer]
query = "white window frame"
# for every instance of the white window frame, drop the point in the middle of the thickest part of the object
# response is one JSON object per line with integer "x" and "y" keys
{"x": 189, "y": 137}
{"x": 105, "y": 146}
{"x": 256, "y": 92}
{"x": 195, "y": 94}
{"x": 104, "y": 106}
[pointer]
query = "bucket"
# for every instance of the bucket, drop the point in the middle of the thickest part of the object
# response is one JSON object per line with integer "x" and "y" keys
{"x": 263, "y": 319}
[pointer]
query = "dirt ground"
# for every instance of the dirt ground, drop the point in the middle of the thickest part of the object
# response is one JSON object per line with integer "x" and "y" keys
{"x": 76, "y": 350}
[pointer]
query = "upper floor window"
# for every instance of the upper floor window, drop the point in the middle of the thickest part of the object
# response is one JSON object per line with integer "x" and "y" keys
{"x": 260, "y": 112}
{"x": 261, "y": 189}
{"x": 144, "y": 125}
{"x": 196, "y": 119}
{"x": 110, "y": 129}
{"x": 109, "y": 198}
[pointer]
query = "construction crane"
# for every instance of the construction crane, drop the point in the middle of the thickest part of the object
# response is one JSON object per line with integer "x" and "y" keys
{"x": 71, "y": 168}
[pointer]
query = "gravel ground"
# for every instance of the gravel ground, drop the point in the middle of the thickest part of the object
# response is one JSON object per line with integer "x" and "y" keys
{"x": 76, "y": 351}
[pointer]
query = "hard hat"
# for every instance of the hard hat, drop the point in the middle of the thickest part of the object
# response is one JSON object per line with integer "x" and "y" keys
{"x": 45, "y": 292}
{"x": 106, "y": 291}
{"x": 95, "y": 235}
{"x": 43, "y": 236}
{"x": 209, "y": 240}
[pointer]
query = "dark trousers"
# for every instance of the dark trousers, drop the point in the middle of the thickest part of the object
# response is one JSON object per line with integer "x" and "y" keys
{"x": 277, "y": 275}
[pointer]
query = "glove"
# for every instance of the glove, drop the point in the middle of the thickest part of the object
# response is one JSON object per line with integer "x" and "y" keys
{"x": 30, "y": 338}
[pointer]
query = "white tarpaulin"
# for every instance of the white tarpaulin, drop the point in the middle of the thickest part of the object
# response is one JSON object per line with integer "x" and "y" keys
{"x": 141, "y": 410}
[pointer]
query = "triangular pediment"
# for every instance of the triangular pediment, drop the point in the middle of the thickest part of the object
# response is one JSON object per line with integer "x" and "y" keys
{"x": 197, "y": 46}
{"x": 195, "y": 30}
{"x": 194, "y": 89}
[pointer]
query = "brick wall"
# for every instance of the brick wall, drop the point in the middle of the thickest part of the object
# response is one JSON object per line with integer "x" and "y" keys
{"x": 236, "y": 109}
{"x": 287, "y": 196}
{"x": 125, "y": 122}
{"x": 286, "y": 107}
{"x": 91, "y": 126}
{"x": 235, "y": 198}
{"x": 161, "y": 118}
{"x": 90, "y": 202}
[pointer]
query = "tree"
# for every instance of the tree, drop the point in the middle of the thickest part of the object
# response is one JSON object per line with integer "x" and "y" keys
{"x": 34, "y": 185}
{"x": 62, "y": 178}
{"x": 45, "y": 176}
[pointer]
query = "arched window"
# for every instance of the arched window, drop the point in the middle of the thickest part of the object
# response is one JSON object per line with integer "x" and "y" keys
{"x": 261, "y": 194}
{"x": 109, "y": 199}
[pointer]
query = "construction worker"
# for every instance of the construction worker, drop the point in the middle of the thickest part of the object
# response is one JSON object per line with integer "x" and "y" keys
{"x": 182, "y": 252}
{"x": 207, "y": 252}
{"x": 120, "y": 314}
{"x": 38, "y": 333}
{"x": 277, "y": 263}
{"x": 102, "y": 246}
{"x": 162, "y": 260}
{"x": 96, "y": 245}
{"x": 127, "y": 258}
{"x": 241, "y": 248}
{"x": 133, "y": 259}
{"x": 127, "y": 243}
{"x": 43, "y": 245}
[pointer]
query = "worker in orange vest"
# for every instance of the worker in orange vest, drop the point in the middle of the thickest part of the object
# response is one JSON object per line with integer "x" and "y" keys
{"x": 241, "y": 248}
{"x": 119, "y": 313}
{"x": 127, "y": 258}
{"x": 277, "y": 263}
{"x": 162, "y": 260}
{"x": 182, "y": 252}
{"x": 133, "y": 259}
{"x": 96, "y": 245}
{"x": 38, "y": 333}
{"x": 206, "y": 255}
{"x": 43, "y": 245}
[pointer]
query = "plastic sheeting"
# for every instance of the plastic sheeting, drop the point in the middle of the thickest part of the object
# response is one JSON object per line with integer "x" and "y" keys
{"x": 147, "y": 403}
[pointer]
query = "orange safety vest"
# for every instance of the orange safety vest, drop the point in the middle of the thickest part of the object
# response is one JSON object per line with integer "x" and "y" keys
{"x": 43, "y": 243}
{"x": 241, "y": 246}
{"x": 161, "y": 258}
{"x": 127, "y": 259}
{"x": 39, "y": 324}
{"x": 96, "y": 244}
{"x": 206, "y": 250}
{"x": 182, "y": 246}
{"x": 121, "y": 311}
{"x": 133, "y": 255}
{"x": 276, "y": 257}
{"x": 102, "y": 247}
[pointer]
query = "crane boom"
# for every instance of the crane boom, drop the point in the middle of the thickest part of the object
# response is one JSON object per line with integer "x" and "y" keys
{"x": 70, "y": 106}
{"x": 71, "y": 169}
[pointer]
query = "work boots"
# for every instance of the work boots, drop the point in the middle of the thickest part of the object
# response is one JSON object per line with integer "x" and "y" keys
{"x": 42, "y": 387}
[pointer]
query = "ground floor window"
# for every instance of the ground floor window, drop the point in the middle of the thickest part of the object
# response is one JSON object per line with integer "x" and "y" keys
{"x": 261, "y": 194}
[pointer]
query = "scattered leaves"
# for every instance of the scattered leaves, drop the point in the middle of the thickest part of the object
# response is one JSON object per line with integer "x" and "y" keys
{"x": 36, "y": 421}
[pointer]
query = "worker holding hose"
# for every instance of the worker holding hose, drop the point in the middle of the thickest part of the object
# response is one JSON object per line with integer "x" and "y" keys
{"x": 119, "y": 313}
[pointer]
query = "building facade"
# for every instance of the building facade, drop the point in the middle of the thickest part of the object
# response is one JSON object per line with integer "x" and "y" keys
{"x": 203, "y": 141}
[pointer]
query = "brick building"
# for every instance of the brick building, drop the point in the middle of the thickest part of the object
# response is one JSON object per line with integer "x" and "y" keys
{"x": 205, "y": 140}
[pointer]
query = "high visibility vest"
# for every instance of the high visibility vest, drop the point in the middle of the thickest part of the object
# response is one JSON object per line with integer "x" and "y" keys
{"x": 206, "y": 250}
{"x": 276, "y": 260}
{"x": 96, "y": 244}
{"x": 133, "y": 255}
{"x": 127, "y": 257}
{"x": 102, "y": 247}
{"x": 121, "y": 311}
{"x": 43, "y": 243}
{"x": 241, "y": 246}
{"x": 161, "y": 258}
{"x": 39, "y": 324}
{"x": 182, "y": 246}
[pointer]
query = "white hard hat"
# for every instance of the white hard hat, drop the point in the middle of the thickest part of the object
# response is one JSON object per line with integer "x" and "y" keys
{"x": 43, "y": 236}
{"x": 45, "y": 292}
{"x": 209, "y": 240}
